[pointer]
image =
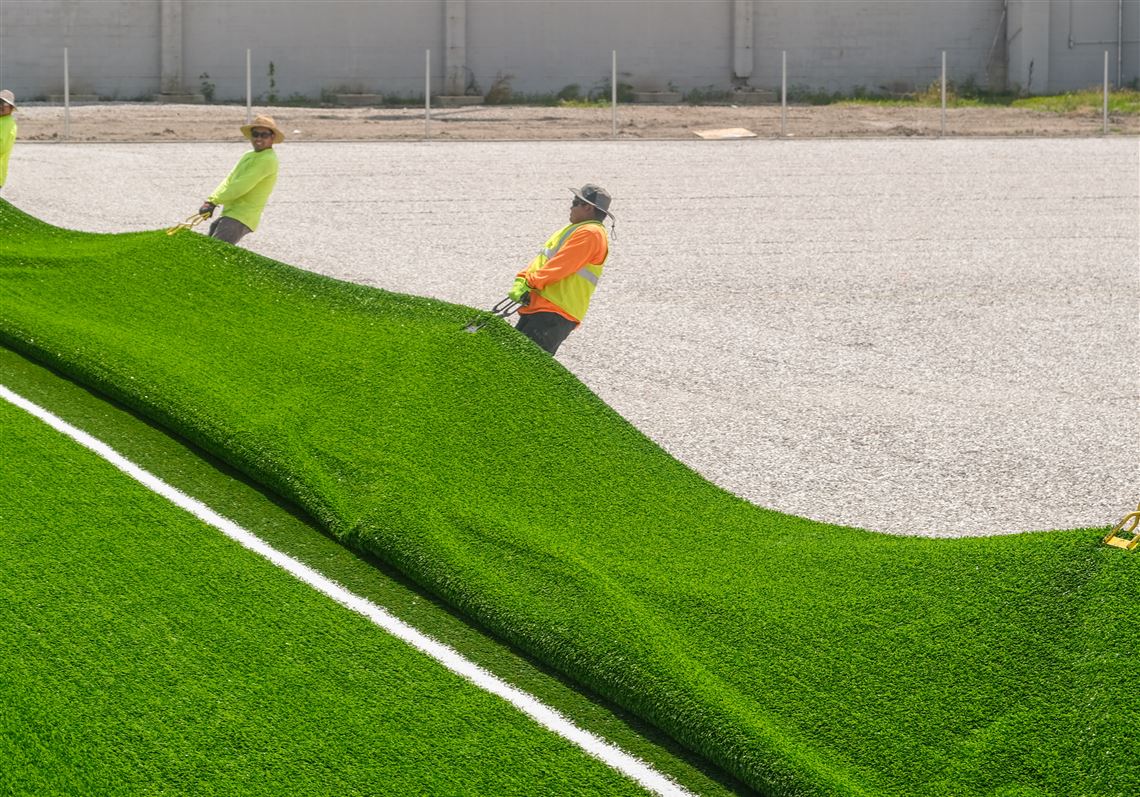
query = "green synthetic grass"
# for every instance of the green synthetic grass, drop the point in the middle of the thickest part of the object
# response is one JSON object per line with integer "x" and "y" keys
{"x": 286, "y": 530}
{"x": 144, "y": 653}
{"x": 802, "y": 657}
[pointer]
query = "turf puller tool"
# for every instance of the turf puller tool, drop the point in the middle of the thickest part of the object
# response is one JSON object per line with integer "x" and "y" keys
{"x": 1127, "y": 525}
{"x": 505, "y": 308}
{"x": 197, "y": 218}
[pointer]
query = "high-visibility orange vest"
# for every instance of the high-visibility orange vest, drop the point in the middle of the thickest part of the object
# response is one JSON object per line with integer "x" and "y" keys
{"x": 573, "y": 293}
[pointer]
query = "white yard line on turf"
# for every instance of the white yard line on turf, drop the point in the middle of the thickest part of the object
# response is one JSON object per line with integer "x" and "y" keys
{"x": 544, "y": 715}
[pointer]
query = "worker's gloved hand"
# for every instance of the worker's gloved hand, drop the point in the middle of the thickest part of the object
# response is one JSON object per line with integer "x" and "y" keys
{"x": 207, "y": 209}
{"x": 519, "y": 290}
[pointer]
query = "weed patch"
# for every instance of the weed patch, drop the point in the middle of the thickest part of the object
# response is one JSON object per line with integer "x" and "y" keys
{"x": 1121, "y": 101}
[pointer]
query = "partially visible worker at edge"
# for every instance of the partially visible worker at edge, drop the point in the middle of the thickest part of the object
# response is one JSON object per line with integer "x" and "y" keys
{"x": 556, "y": 287}
{"x": 244, "y": 192}
{"x": 7, "y": 132}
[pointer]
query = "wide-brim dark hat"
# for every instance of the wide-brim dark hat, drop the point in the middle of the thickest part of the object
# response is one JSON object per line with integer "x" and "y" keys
{"x": 595, "y": 195}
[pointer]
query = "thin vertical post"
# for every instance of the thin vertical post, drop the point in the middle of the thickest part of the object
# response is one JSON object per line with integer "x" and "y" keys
{"x": 427, "y": 93}
{"x": 1106, "y": 92}
{"x": 783, "y": 92}
{"x": 1119, "y": 42}
{"x": 66, "y": 96}
{"x": 943, "y": 93}
{"x": 613, "y": 85}
{"x": 248, "y": 87}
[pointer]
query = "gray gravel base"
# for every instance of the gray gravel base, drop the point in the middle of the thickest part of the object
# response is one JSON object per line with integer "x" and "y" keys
{"x": 921, "y": 337}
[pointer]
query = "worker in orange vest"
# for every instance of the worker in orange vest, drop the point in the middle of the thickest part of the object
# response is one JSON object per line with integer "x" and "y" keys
{"x": 555, "y": 288}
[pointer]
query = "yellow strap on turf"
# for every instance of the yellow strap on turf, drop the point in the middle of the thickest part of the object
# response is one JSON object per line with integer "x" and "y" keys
{"x": 189, "y": 223}
{"x": 1132, "y": 520}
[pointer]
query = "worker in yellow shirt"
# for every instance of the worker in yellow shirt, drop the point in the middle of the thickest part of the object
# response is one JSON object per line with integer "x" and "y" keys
{"x": 555, "y": 288}
{"x": 244, "y": 192}
{"x": 7, "y": 132}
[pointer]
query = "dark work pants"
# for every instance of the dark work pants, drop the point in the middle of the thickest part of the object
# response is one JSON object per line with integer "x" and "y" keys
{"x": 548, "y": 330}
{"x": 229, "y": 230}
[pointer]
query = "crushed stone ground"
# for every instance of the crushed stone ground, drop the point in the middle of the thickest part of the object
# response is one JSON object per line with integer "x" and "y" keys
{"x": 914, "y": 336}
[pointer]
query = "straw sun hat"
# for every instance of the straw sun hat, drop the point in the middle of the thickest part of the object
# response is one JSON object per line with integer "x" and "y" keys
{"x": 266, "y": 122}
{"x": 8, "y": 97}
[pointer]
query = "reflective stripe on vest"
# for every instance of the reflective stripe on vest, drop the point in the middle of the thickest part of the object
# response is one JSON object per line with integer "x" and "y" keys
{"x": 566, "y": 233}
{"x": 550, "y": 252}
{"x": 571, "y": 295}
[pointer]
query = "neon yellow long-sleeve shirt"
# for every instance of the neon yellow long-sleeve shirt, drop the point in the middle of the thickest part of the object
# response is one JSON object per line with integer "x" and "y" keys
{"x": 244, "y": 192}
{"x": 7, "y": 141}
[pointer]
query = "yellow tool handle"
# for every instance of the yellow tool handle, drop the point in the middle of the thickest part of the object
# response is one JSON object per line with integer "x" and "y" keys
{"x": 190, "y": 222}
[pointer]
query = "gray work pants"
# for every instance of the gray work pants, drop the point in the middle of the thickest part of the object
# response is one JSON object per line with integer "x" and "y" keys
{"x": 548, "y": 330}
{"x": 229, "y": 230}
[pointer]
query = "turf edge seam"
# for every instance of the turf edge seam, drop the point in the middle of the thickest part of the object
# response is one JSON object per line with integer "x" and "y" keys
{"x": 611, "y": 755}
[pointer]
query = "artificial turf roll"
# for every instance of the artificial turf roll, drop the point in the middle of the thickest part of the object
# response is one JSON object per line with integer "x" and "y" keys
{"x": 802, "y": 657}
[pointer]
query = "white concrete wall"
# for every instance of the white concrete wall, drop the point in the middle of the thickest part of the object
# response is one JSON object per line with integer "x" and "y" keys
{"x": 1027, "y": 34}
{"x": 548, "y": 45}
{"x": 332, "y": 45}
{"x": 113, "y": 46}
{"x": 1059, "y": 45}
{"x": 836, "y": 46}
{"x": 378, "y": 47}
{"x": 1081, "y": 31}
